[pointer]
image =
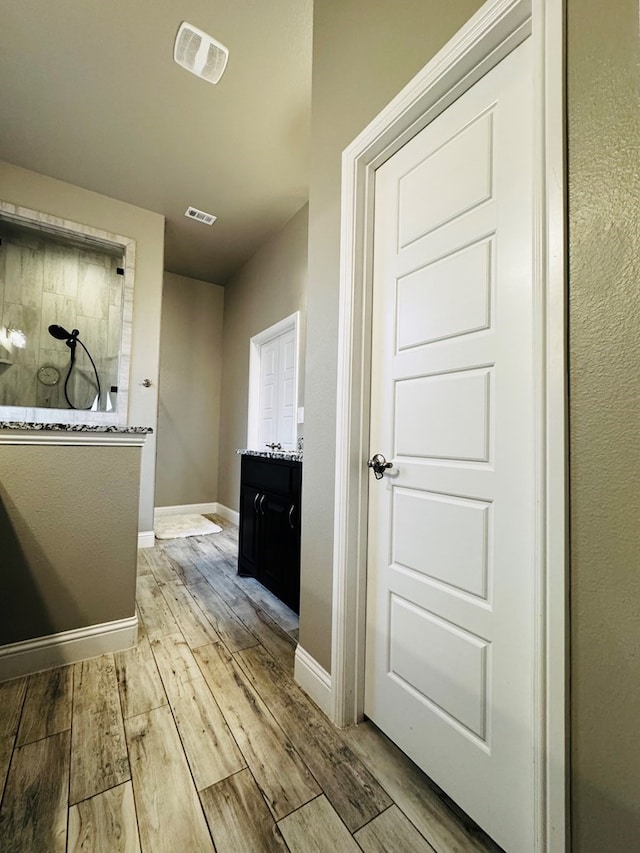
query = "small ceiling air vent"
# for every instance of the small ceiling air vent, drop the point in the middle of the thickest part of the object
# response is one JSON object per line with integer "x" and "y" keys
{"x": 199, "y": 53}
{"x": 200, "y": 215}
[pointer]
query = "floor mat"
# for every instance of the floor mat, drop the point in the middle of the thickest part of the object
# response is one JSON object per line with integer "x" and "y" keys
{"x": 179, "y": 526}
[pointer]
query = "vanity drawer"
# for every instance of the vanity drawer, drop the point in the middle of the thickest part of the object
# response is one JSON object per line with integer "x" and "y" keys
{"x": 273, "y": 475}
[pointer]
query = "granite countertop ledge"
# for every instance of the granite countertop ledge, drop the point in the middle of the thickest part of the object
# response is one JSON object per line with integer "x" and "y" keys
{"x": 291, "y": 455}
{"x": 26, "y": 426}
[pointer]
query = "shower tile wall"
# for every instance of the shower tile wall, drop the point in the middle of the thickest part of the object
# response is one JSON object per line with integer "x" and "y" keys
{"x": 44, "y": 282}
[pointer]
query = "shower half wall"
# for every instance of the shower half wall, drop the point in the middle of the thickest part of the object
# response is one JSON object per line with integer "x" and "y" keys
{"x": 44, "y": 281}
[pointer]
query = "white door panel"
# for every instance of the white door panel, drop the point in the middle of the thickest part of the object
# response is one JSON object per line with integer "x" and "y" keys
{"x": 443, "y": 538}
{"x": 467, "y": 155}
{"x": 444, "y": 416}
{"x": 446, "y": 299}
{"x": 449, "y": 645}
{"x": 454, "y": 680}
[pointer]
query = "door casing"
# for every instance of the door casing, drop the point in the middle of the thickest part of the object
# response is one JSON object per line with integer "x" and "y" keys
{"x": 497, "y": 28}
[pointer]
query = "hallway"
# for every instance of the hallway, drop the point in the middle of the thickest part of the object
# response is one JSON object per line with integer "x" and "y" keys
{"x": 199, "y": 739}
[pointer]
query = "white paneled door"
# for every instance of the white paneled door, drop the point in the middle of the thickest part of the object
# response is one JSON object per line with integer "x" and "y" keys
{"x": 277, "y": 406}
{"x": 450, "y": 621}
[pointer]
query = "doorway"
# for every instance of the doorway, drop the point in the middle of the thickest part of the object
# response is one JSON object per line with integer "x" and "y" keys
{"x": 494, "y": 33}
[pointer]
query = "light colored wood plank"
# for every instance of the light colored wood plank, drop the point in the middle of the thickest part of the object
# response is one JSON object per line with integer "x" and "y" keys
{"x": 238, "y": 817}
{"x": 391, "y": 830}
{"x": 220, "y": 557}
{"x": 412, "y": 791}
{"x": 168, "y": 568}
{"x": 11, "y": 698}
{"x": 278, "y": 610}
{"x": 176, "y": 663}
{"x": 98, "y": 748}
{"x": 169, "y": 813}
{"x": 283, "y": 778}
{"x": 277, "y": 641}
{"x": 139, "y": 681}
{"x": 106, "y": 822}
{"x": 213, "y": 562}
{"x": 193, "y": 623}
{"x": 220, "y": 546}
{"x": 47, "y": 706}
{"x": 351, "y": 789}
{"x": 162, "y": 567}
{"x": 316, "y": 828}
{"x": 230, "y": 629}
{"x": 158, "y": 619}
{"x": 6, "y": 748}
{"x": 211, "y": 751}
{"x": 183, "y": 560}
{"x": 280, "y": 645}
{"x": 34, "y": 809}
{"x": 142, "y": 564}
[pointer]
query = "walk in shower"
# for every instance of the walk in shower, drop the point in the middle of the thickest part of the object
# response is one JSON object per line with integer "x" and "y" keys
{"x": 62, "y": 319}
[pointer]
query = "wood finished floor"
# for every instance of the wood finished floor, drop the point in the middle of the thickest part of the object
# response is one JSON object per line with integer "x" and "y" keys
{"x": 198, "y": 739}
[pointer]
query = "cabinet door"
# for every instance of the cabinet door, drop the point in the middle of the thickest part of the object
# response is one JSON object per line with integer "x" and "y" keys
{"x": 248, "y": 534}
{"x": 279, "y": 563}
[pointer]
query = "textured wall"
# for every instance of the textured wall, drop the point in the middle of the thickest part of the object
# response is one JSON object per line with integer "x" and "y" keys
{"x": 47, "y": 195}
{"x": 271, "y": 286}
{"x": 190, "y": 376}
{"x": 363, "y": 53}
{"x": 604, "y": 355}
{"x": 68, "y": 534}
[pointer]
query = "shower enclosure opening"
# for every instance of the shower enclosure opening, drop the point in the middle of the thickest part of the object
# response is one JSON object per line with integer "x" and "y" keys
{"x": 51, "y": 283}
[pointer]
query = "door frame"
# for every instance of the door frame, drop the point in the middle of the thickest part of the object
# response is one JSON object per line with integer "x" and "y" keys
{"x": 496, "y": 29}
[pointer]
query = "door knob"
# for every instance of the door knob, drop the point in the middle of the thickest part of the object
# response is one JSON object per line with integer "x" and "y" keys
{"x": 379, "y": 465}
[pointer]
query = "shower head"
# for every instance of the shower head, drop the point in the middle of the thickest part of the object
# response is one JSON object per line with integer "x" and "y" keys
{"x": 58, "y": 332}
{"x": 61, "y": 334}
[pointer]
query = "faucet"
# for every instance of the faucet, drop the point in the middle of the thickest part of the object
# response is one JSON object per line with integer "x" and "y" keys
{"x": 275, "y": 446}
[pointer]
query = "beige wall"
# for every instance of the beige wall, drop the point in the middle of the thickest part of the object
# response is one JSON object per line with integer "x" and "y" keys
{"x": 270, "y": 286}
{"x": 604, "y": 356}
{"x": 68, "y": 528}
{"x": 363, "y": 54}
{"x": 190, "y": 377}
{"x": 57, "y": 198}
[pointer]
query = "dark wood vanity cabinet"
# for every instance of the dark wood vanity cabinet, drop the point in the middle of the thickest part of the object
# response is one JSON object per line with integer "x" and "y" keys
{"x": 269, "y": 535}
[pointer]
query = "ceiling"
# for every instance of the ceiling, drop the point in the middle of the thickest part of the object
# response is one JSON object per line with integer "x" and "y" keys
{"x": 90, "y": 94}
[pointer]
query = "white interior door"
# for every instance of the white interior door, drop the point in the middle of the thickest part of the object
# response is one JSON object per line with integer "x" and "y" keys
{"x": 277, "y": 406}
{"x": 449, "y": 642}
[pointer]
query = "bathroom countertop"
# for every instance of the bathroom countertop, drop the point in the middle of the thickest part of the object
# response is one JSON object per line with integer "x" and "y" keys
{"x": 291, "y": 455}
{"x": 26, "y": 426}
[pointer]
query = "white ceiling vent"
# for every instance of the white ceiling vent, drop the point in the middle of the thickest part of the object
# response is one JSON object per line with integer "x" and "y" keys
{"x": 200, "y": 53}
{"x": 200, "y": 215}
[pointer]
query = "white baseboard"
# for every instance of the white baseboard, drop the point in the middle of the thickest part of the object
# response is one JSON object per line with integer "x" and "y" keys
{"x": 314, "y": 680}
{"x": 146, "y": 539}
{"x": 229, "y": 514}
{"x": 200, "y": 509}
{"x": 67, "y": 647}
{"x": 187, "y": 509}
